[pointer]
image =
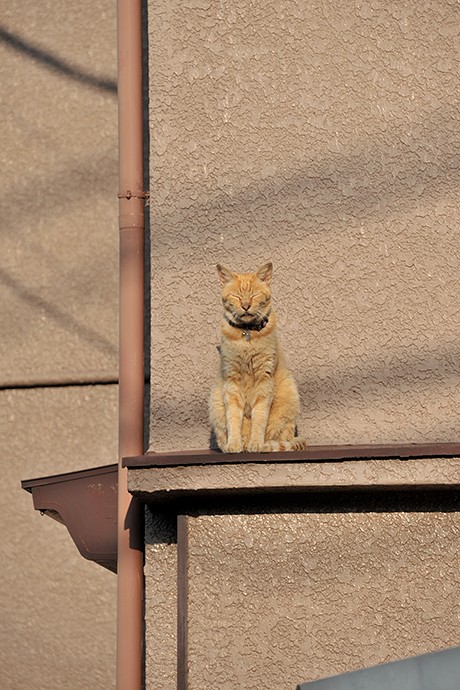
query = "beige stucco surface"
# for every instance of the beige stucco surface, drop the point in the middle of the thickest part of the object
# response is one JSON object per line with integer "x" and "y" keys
{"x": 323, "y": 136}
{"x": 279, "y": 599}
{"x": 58, "y": 201}
{"x": 297, "y": 571}
{"x": 337, "y": 583}
{"x": 160, "y": 573}
{"x": 58, "y": 315}
{"x": 58, "y": 610}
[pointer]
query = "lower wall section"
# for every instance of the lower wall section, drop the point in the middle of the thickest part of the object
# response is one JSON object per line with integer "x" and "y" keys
{"x": 160, "y": 601}
{"x": 279, "y": 599}
{"x": 58, "y": 609}
{"x": 317, "y": 585}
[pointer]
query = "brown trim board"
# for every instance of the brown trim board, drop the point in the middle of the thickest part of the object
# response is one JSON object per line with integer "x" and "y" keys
{"x": 318, "y": 453}
{"x": 182, "y": 602}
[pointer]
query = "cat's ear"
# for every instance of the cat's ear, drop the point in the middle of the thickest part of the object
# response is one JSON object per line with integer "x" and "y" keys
{"x": 265, "y": 273}
{"x": 225, "y": 276}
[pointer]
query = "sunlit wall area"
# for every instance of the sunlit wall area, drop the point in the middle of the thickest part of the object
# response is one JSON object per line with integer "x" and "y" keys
{"x": 322, "y": 136}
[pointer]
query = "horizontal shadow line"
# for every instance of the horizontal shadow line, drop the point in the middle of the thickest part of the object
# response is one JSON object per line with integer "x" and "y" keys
{"x": 63, "y": 383}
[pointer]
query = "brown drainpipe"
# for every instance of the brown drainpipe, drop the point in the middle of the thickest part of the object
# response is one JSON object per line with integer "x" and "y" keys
{"x": 131, "y": 364}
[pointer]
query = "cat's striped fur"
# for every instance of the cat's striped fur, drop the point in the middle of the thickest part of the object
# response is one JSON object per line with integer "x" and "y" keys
{"x": 254, "y": 404}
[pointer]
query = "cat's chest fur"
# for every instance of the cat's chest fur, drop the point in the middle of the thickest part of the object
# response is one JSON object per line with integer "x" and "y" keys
{"x": 247, "y": 361}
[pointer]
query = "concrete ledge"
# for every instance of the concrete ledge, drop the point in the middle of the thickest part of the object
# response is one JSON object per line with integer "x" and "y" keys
{"x": 160, "y": 484}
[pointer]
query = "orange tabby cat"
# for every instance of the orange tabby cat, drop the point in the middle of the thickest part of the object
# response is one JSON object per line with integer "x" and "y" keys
{"x": 254, "y": 404}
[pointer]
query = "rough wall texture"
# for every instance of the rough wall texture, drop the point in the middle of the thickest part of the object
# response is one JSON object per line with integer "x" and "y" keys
{"x": 160, "y": 602}
{"x": 58, "y": 144}
{"x": 279, "y": 599}
{"x": 58, "y": 610}
{"x": 58, "y": 316}
{"x": 323, "y": 136}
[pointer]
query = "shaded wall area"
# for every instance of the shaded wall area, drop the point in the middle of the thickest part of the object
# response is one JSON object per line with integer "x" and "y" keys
{"x": 291, "y": 597}
{"x": 58, "y": 342}
{"x": 270, "y": 574}
{"x": 322, "y": 136}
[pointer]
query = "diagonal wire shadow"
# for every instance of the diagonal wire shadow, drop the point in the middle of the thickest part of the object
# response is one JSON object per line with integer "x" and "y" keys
{"x": 56, "y": 64}
{"x": 61, "y": 317}
{"x": 330, "y": 191}
{"x": 66, "y": 185}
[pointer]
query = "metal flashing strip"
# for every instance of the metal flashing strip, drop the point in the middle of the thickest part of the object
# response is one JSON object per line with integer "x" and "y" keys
{"x": 30, "y": 484}
{"x": 326, "y": 453}
{"x": 425, "y": 672}
{"x": 86, "y": 503}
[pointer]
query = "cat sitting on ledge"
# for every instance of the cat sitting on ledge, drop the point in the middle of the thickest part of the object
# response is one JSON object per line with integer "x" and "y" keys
{"x": 254, "y": 404}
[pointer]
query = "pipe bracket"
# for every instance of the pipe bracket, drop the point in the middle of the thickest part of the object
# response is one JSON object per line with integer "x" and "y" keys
{"x": 135, "y": 195}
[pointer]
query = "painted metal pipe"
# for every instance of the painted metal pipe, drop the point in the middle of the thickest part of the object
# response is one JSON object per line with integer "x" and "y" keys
{"x": 131, "y": 340}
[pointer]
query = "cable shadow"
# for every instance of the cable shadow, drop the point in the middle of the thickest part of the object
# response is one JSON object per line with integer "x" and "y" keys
{"x": 56, "y": 64}
{"x": 62, "y": 318}
{"x": 400, "y": 371}
{"x": 73, "y": 181}
{"x": 366, "y": 182}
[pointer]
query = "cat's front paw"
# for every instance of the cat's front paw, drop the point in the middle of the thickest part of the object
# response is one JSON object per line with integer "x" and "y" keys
{"x": 233, "y": 447}
{"x": 255, "y": 447}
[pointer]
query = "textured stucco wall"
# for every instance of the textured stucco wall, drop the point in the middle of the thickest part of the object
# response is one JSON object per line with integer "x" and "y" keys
{"x": 58, "y": 610}
{"x": 160, "y": 573}
{"x": 323, "y": 136}
{"x": 58, "y": 202}
{"x": 319, "y": 585}
{"x": 58, "y": 316}
{"x": 299, "y": 571}
{"x": 279, "y": 599}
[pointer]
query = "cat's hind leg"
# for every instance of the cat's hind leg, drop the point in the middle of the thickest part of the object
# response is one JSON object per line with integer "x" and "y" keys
{"x": 281, "y": 436}
{"x": 281, "y": 426}
{"x": 283, "y": 412}
{"x": 280, "y": 429}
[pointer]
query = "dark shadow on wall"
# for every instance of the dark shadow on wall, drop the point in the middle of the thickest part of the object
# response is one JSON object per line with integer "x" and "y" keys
{"x": 402, "y": 371}
{"x": 399, "y": 370}
{"x": 369, "y": 180}
{"x": 346, "y": 501}
{"x": 56, "y": 64}
{"x": 147, "y": 254}
{"x": 70, "y": 183}
{"x": 84, "y": 179}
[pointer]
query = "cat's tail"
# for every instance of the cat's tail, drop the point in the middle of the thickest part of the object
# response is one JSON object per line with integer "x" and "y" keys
{"x": 297, "y": 443}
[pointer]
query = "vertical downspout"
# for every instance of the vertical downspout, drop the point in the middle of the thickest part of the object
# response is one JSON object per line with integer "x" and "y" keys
{"x": 131, "y": 364}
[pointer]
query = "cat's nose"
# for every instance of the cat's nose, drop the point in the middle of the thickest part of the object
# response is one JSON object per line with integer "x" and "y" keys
{"x": 245, "y": 305}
